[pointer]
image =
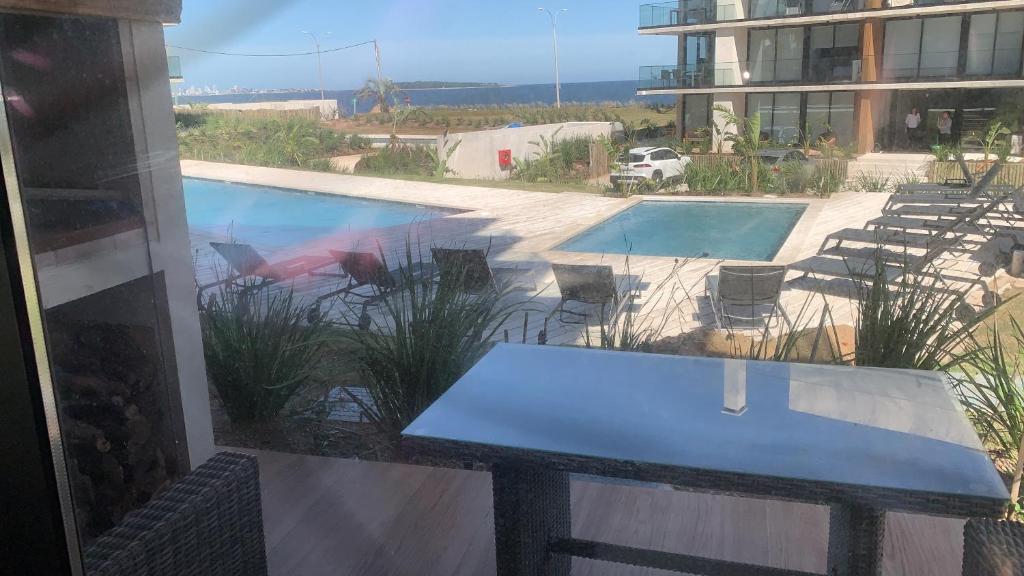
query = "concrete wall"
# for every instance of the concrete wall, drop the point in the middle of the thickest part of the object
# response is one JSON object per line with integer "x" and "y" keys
{"x": 328, "y": 108}
{"x": 477, "y": 155}
{"x": 730, "y": 101}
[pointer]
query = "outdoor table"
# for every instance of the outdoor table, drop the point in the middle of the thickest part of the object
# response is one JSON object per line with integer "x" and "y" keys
{"x": 859, "y": 440}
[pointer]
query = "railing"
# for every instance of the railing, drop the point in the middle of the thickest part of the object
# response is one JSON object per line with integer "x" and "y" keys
{"x": 174, "y": 67}
{"x": 687, "y": 13}
{"x": 820, "y": 70}
{"x": 695, "y": 12}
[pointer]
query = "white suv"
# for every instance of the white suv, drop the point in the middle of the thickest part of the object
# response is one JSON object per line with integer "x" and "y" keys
{"x": 649, "y": 163}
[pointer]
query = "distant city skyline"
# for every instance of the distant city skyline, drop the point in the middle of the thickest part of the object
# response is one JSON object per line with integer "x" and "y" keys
{"x": 444, "y": 40}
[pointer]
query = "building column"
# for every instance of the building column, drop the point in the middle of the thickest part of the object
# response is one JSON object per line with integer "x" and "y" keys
{"x": 869, "y": 102}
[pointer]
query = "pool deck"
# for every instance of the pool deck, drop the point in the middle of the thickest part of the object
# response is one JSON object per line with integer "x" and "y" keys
{"x": 522, "y": 228}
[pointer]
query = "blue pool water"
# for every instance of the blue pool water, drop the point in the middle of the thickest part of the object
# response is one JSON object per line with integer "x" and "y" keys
{"x": 277, "y": 218}
{"x": 731, "y": 230}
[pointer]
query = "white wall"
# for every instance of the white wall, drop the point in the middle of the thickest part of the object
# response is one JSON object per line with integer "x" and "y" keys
{"x": 736, "y": 103}
{"x": 477, "y": 155}
{"x": 328, "y": 108}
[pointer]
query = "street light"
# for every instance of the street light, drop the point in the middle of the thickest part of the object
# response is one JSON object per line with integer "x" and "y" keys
{"x": 319, "y": 68}
{"x": 554, "y": 39}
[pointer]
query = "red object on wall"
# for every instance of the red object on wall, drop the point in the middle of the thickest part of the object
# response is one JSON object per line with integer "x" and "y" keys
{"x": 505, "y": 158}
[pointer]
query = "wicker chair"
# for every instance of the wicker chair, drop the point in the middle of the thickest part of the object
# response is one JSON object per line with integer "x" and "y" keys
{"x": 993, "y": 548}
{"x": 208, "y": 523}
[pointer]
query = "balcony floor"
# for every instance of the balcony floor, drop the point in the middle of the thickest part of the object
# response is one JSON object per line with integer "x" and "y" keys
{"x": 326, "y": 516}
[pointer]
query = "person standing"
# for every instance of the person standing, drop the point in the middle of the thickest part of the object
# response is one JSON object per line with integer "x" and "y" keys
{"x": 945, "y": 128}
{"x": 913, "y": 123}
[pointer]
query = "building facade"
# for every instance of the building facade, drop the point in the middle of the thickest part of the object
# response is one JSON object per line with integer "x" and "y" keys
{"x": 854, "y": 68}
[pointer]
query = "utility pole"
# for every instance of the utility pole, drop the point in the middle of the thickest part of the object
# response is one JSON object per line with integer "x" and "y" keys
{"x": 554, "y": 41}
{"x": 380, "y": 76}
{"x": 319, "y": 67}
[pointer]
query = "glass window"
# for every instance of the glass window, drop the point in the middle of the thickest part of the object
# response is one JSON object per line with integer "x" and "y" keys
{"x": 817, "y": 113}
{"x": 780, "y": 115}
{"x": 835, "y": 52}
{"x": 696, "y": 108}
{"x": 761, "y": 104}
{"x": 902, "y": 48}
{"x": 789, "y": 54}
{"x": 940, "y": 46}
{"x": 841, "y": 117}
{"x": 1009, "y": 34}
{"x": 762, "y": 55}
{"x": 980, "y": 40}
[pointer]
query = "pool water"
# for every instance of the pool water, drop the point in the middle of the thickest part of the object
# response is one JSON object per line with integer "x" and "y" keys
{"x": 730, "y": 230}
{"x": 278, "y": 218}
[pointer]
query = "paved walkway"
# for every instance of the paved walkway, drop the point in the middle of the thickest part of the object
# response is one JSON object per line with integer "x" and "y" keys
{"x": 524, "y": 228}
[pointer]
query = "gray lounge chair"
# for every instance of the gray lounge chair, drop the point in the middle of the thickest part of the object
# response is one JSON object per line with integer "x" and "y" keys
{"x": 746, "y": 294}
{"x": 587, "y": 284}
{"x": 951, "y": 189}
{"x": 468, "y": 268}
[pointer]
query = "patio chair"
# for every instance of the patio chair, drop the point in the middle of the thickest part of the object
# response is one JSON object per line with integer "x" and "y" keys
{"x": 365, "y": 269}
{"x": 952, "y": 188}
{"x": 208, "y": 523}
{"x": 246, "y": 262}
{"x": 993, "y": 547}
{"x": 746, "y": 293}
{"x": 587, "y": 284}
{"x": 468, "y": 268}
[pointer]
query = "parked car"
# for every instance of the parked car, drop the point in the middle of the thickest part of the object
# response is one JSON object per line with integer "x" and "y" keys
{"x": 774, "y": 158}
{"x": 649, "y": 163}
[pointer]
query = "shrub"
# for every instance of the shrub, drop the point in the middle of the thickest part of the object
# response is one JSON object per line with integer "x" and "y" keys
{"x": 825, "y": 183}
{"x": 358, "y": 142}
{"x": 715, "y": 177}
{"x": 426, "y": 337}
{"x": 793, "y": 177}
{"x": 399, "y": 159}
{"x": 292, "y": 142}
{"x": 261, "y": 347}
{"x": 875, "y": 181}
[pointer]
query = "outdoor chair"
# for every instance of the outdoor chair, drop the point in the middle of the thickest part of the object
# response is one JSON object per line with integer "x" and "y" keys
{"x": 246, "y": 262}
{"x": 469, "y": 270}
{"x": 366, "y": 269}
{"x": 587, "y": 284}
{"x": 993, "y": 547}
{"x": 209, "y": 523}
{"x": 746, "y": 293}
{"x": 952, "y": 188}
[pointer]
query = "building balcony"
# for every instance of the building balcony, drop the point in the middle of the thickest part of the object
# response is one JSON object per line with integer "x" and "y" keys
{"x": 666, "y": 17}
{"x": 821, "y": 71}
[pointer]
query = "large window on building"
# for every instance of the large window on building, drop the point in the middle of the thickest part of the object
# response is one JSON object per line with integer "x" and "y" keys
{"x": 940, "y": 46}
{"x": 780, "y": 115}
{"x": 696, "y": 112}
{"x": 994, "y": 43}
{"x": 831, "y": 111}
{"x": 902, "y": 48}
{"x": 835, "y": 53}
{"x": 776, "y": 55}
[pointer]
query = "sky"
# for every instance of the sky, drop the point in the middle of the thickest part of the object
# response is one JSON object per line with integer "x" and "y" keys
{"x": 506, "y": 42}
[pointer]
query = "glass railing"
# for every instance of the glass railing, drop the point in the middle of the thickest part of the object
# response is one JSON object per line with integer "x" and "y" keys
{"x": 693, "y": 12}
{"x": 677, "y": 13}
{"x": 174, "y": 67}
{"x": 819, "y": 70}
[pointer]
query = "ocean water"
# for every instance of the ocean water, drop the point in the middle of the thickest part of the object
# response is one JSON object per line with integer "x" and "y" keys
{"x": 731, "y": 230}
{"x": 277, "y": 218}
{"x": 583, "y": 92}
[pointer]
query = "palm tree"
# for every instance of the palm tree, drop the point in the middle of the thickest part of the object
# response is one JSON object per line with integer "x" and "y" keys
{"x": 381, "y": 91}
{"x": 746, "y": 140}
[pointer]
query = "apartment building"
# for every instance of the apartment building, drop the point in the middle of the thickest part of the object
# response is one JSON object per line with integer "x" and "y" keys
{"x": 855, "y": 68}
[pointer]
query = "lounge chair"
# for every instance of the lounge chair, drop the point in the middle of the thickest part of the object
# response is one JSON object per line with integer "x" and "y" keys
{"x": 746, "y": 293}
{"x": 367, "y": 269}
{"x": 245, "y": 262}
{"x": 468, "y": 268}
{"x": 587, "y": 284}
{"x": 951, "y": 189}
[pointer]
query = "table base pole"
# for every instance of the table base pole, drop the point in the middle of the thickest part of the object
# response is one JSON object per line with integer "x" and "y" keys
{"x": 855, "y": 535}
{"x": 531, "y": 511}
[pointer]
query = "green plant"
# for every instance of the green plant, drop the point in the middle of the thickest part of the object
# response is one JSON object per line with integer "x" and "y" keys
{"x": 381, "y": 91}
{"x": 905, "y": 177}
{"x": 746, "y": 141}
{"x": 794, "y": 177}
{"x": 358, "y": 142}
{"x": 426, "y": 336}
{"x": 990, "y": 384}
{"x": 238, "y": 139}
{"x": 874, "y": 182}
{"x": 995, "y": 134}
{"x": 439, "y": 156}
{"x": 716, "y": 176}
{"x": 398, "y": 159}
{"x": 261, "y": 347}
{"x": 825, "y": 183}
{"x": 942, "y": 152}
{"x": 912, "y": 322}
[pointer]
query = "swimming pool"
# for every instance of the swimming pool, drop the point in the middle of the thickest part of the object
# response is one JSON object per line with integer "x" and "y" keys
{"x": 278, "y": 218}
{"x": 731, "y": 230}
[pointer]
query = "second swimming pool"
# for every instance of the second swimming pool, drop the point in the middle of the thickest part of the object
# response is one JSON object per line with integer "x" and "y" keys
{"x": 728, "y": 230}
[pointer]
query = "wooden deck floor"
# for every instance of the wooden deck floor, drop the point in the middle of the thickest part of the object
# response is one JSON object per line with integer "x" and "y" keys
{"x": 328, "y": 517}
{"x": 523, "y": 230}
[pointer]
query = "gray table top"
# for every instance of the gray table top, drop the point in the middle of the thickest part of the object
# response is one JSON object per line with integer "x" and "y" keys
{"x": 879, "y": 428}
